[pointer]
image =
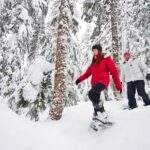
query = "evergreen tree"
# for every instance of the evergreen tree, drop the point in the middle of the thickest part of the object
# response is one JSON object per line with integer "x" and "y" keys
{"x": 22, "y": 22}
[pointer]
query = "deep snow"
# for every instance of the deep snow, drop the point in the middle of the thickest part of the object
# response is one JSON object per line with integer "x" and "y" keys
{"x": 130, "y": 132}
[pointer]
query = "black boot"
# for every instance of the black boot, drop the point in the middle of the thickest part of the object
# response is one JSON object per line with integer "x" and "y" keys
{"x": 98, "y": 107}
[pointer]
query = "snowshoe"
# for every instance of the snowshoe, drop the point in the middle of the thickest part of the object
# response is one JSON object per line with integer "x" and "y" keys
{"x": 100, "y": 122}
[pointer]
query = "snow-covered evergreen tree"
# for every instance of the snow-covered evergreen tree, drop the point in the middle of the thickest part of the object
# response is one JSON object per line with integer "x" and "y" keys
{"x": 22, "y": 22}
{"x": 134, "y": 25}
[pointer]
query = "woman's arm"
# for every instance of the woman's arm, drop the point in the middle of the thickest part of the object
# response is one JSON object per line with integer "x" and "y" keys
{"x": 86, "y": 74}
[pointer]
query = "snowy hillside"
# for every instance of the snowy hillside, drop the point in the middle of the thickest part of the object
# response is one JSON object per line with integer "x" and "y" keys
{"x": 130, "y": 132}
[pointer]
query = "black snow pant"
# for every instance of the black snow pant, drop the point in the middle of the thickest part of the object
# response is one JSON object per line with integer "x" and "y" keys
{"x": 138, "y": 85}
{"x": 94, "y": 96}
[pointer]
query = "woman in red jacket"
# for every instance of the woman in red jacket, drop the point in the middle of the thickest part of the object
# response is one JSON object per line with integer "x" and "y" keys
{"x": 102, "y": 65}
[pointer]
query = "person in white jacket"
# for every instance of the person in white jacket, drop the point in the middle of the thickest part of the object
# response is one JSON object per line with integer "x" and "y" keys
{"x": 133, "y": 73}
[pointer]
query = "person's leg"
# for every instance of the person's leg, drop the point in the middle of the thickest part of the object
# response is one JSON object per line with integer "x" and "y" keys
{"x": 131, "y": 95}
{"x": 98, "y": 107}
{"x": 94, "y": 96}
{"x": 140, "y": 85}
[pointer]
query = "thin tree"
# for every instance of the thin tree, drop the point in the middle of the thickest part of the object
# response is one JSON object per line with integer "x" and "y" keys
{"x": 115, "y": 39}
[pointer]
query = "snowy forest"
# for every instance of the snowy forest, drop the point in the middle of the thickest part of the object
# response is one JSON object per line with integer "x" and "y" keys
{"x": 46, "y": 44}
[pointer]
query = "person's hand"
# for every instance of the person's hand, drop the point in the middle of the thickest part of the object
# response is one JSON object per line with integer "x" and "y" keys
{"x": 148, "y": 76}
{"x": 77, "y": 81}
{"x": 120, "y": 91}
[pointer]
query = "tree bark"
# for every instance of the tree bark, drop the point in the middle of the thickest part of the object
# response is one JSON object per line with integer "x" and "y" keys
{"x": 115, "y": 40}
{"x": 57, "y": 104}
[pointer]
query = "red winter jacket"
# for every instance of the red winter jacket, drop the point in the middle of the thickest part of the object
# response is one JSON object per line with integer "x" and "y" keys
{"x": 100, "y": 73}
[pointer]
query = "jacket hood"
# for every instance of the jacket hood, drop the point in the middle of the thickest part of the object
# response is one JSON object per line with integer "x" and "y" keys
{"x": 107, "y": 54}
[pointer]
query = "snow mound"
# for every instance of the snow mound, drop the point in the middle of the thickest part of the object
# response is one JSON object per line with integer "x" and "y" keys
{"x": 35, "y": 76}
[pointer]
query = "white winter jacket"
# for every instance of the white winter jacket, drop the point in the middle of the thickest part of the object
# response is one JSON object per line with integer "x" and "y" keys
{"x": 133, "y": 70}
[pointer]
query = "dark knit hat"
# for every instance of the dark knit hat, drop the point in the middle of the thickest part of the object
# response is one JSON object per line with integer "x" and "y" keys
{"x": 97, "y": 46}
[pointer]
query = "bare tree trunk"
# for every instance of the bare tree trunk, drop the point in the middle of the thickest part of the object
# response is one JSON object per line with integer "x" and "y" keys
{"x": 115, "y": 46}
{"x": 115, "y": 39}
{"x": 57, "y": 104}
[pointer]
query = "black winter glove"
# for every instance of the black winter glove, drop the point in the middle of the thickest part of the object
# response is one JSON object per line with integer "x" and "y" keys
{"x": 77, "y": 81}
{"x": 148, "y": 77}
{"x": 120, "y": 91}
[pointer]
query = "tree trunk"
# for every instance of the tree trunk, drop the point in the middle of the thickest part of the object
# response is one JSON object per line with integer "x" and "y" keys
{"x": 57, "y": 104}
{"x": 115, "y": 41}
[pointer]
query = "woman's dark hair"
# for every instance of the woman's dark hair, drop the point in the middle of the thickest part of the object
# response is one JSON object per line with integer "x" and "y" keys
{"x": 97, "y": 46}
{"x": 100, "y": 56}
{"x": 96, "y": 61}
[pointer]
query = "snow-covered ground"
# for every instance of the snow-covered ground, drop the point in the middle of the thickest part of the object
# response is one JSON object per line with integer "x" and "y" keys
{"x": 130, "y": 132}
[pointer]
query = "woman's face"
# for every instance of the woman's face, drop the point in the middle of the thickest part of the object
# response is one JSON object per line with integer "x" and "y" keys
{"x": 95, "y": 51}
